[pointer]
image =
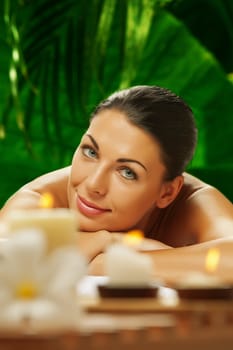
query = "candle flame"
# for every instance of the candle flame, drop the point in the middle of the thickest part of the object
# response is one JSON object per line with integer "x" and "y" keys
{"x": 133, "y": 237}
{"x": 212, "y": 259}
{"x": 46, "y": 200}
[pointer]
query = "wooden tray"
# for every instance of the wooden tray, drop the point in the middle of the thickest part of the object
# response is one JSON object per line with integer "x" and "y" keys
{"x": 139, "y": 305}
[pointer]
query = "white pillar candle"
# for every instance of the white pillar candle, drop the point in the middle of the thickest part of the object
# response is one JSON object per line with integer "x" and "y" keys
{"x": 59, "y": 225}
{"x": 127, "y": 267}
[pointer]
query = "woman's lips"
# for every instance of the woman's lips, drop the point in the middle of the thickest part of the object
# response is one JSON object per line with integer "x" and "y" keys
{"x": 88, "y": 208}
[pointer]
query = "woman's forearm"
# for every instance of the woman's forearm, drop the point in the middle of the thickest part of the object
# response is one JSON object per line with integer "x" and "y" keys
{"x": 172, "y": 265}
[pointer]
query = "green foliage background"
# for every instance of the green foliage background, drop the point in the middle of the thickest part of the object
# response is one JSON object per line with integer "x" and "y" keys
{"x": 59, "y": 58}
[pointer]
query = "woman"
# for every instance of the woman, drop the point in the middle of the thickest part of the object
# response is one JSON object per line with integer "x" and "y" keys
{"x": 128, "y": 173}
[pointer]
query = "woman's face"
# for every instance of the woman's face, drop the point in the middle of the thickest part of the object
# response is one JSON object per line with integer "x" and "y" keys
{"x": 116, "y": 176}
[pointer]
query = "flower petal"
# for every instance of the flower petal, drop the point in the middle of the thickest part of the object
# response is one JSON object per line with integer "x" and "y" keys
{"x": 21, "y": 256}
{"x": 38, "y": 315}
{"x": 65, "y": 267}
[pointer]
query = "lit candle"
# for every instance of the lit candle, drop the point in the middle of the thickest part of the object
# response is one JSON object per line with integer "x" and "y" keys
{"x": 126, "y": 267}
{"x": 212, "y": 260}
{"x": 206, "y": 285}
{"x": 133, "y": 238}
{"x": 136, "y": 239}
{"x": 208, "y": 278}
{"x": 58, "y": 224}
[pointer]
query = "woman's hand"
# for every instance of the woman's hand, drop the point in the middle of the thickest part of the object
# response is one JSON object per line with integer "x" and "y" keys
{"x": 92, "y": 244}
{"x": 96, "y": 266}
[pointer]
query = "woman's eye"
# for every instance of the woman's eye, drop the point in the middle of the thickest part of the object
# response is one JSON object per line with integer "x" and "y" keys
{"x": 128, "y": 174}
{"x": 89, "y": 152}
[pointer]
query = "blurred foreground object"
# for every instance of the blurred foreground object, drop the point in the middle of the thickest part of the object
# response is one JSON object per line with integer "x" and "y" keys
{"x": 37, "y": 291}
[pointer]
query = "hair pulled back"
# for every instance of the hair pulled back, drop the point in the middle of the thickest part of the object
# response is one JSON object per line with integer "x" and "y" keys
{"x": 165, "y": 116}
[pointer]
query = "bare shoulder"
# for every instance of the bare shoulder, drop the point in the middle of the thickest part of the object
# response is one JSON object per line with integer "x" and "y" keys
{"x": 210, "y": 211}
{"x": 54, "y": 182}
{"x": 193, "y": 182}
{"x": 56, "y": 176}
{"x": 199, "y": 213}
{"x": 191, "y": 187}
{"x": 206, "y": 196}
{"x": 28, "y": 196}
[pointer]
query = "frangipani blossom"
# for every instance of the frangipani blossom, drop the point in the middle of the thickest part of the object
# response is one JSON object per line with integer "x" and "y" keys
{"x": 37, "y": 291}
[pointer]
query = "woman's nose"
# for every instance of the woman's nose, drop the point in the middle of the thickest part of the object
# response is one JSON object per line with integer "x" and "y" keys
{"x": 97, "y": 182}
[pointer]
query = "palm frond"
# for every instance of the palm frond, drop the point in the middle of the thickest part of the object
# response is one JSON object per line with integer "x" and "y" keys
{"x": 67, "y": 55}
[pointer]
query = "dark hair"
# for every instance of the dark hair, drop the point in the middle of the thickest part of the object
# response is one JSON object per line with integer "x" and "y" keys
{"x": 165, "y": 116}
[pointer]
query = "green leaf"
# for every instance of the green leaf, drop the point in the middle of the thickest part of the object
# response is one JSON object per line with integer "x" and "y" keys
{"x": 74, "y": 53}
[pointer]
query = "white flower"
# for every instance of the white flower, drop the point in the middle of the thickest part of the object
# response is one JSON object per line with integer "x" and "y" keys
{"x": 37, "y": 291}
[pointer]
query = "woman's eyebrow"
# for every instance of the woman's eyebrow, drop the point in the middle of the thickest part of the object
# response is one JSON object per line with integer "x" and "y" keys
{"x": 126, "y": 160}
{"x": 120, "y": 160}
{"x": 93, "y": 141}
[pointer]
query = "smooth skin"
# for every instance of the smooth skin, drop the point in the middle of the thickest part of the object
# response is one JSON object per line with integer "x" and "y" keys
{"x": 116, "y": 183}
{"x": 118, "y": 178}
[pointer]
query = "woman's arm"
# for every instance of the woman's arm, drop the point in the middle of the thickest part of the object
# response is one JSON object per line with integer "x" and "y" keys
{"x": 210, "y": 216}
{"x": 176, "y": 264}
{"x": 29, "y": 195}
{"x": 93, "y": 244}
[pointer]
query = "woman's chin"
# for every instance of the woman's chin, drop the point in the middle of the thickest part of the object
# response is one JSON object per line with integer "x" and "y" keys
{"x": 94, "y": 224}
{"x": 87, "y": 225}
